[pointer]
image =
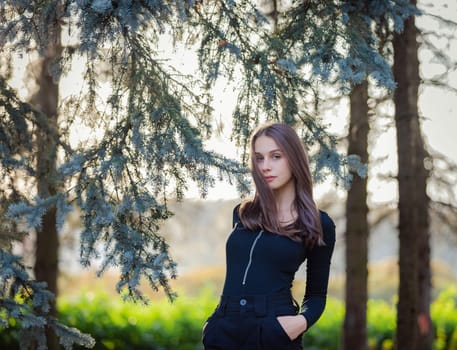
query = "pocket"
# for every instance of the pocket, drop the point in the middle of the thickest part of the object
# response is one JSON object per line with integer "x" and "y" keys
{"x": 281, "y": 329}
{"x": 208, "y": 333}
{"x": 272, "y": 335}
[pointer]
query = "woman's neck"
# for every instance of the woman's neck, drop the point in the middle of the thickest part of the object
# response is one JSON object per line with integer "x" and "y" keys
{"x": 285, "y": 204}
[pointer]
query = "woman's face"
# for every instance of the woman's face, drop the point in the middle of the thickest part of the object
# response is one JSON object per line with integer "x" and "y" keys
{"x": 272, "y": 164}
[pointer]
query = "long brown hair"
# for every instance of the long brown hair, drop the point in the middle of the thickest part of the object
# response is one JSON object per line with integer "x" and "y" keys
{"x": 261, "y": 212}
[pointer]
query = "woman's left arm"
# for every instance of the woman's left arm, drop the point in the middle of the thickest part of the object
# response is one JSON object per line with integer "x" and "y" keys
{"x": 317, "y": 276}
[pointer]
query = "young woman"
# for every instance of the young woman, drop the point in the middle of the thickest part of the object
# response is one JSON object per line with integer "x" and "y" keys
{"x": 273, "y": 234}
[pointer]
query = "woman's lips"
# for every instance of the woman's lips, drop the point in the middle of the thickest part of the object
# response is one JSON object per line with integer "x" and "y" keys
{"x": 269, "y": 178}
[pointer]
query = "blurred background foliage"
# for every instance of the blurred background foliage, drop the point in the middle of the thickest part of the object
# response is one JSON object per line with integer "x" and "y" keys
{"x": 197, "y": 236}
{"x": 162, "y": 325}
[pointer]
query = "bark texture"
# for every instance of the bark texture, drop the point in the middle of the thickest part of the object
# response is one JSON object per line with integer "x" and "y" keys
{"x": 357, "y": 230}
{"x": 413, "y": 319}
{"x": 47, "y": 242}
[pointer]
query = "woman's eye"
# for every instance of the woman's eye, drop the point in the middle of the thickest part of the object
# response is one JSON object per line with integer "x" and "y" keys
{"x": 259, "y": 159}
{"x": 276, "y": 156}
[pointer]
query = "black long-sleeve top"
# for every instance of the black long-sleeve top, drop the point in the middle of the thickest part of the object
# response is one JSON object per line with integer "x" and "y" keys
{"x": 262, "y": 262}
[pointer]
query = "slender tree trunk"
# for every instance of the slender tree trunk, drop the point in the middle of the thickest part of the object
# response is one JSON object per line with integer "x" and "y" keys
{"x": 413, "y": 327}
{"x": 47, "y": 242}
{"x": 355, "y": 321}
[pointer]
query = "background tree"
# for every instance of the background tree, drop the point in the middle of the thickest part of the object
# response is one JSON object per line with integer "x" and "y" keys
{"x": 413, "y": 313}
{"x": 46, "y": 100}
{"x": 357, "y": 229}
{"x": 153, "y": 122}
{"x": 422, "y": 179}
{"x": 423, "y": 264}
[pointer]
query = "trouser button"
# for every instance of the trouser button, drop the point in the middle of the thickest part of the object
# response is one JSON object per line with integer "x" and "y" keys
{"x": 243, "y": 302}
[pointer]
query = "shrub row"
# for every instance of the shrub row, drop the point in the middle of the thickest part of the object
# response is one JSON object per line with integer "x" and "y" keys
{"x": 164, "y": 326}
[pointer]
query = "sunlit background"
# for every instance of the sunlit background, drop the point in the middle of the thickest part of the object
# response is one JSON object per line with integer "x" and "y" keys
{"x": 199, "y": 228}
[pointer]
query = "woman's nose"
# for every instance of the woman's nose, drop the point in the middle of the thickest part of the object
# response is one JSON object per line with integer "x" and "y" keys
{"x": 266, "y": 165}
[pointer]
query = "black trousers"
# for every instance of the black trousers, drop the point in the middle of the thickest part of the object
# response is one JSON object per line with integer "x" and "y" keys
{"x": 250, "y": 323}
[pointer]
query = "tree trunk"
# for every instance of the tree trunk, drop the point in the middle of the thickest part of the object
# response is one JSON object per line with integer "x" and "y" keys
{"x": 47, "y": 242}
{"x": 355, "y": 321}
{"x": 413, "y": 325}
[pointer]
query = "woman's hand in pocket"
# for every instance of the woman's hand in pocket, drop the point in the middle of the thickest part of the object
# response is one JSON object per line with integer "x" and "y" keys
{"x": 293, "y": 325}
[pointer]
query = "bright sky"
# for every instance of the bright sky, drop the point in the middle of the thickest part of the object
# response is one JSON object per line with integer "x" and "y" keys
{"x": 438, "y": 109}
